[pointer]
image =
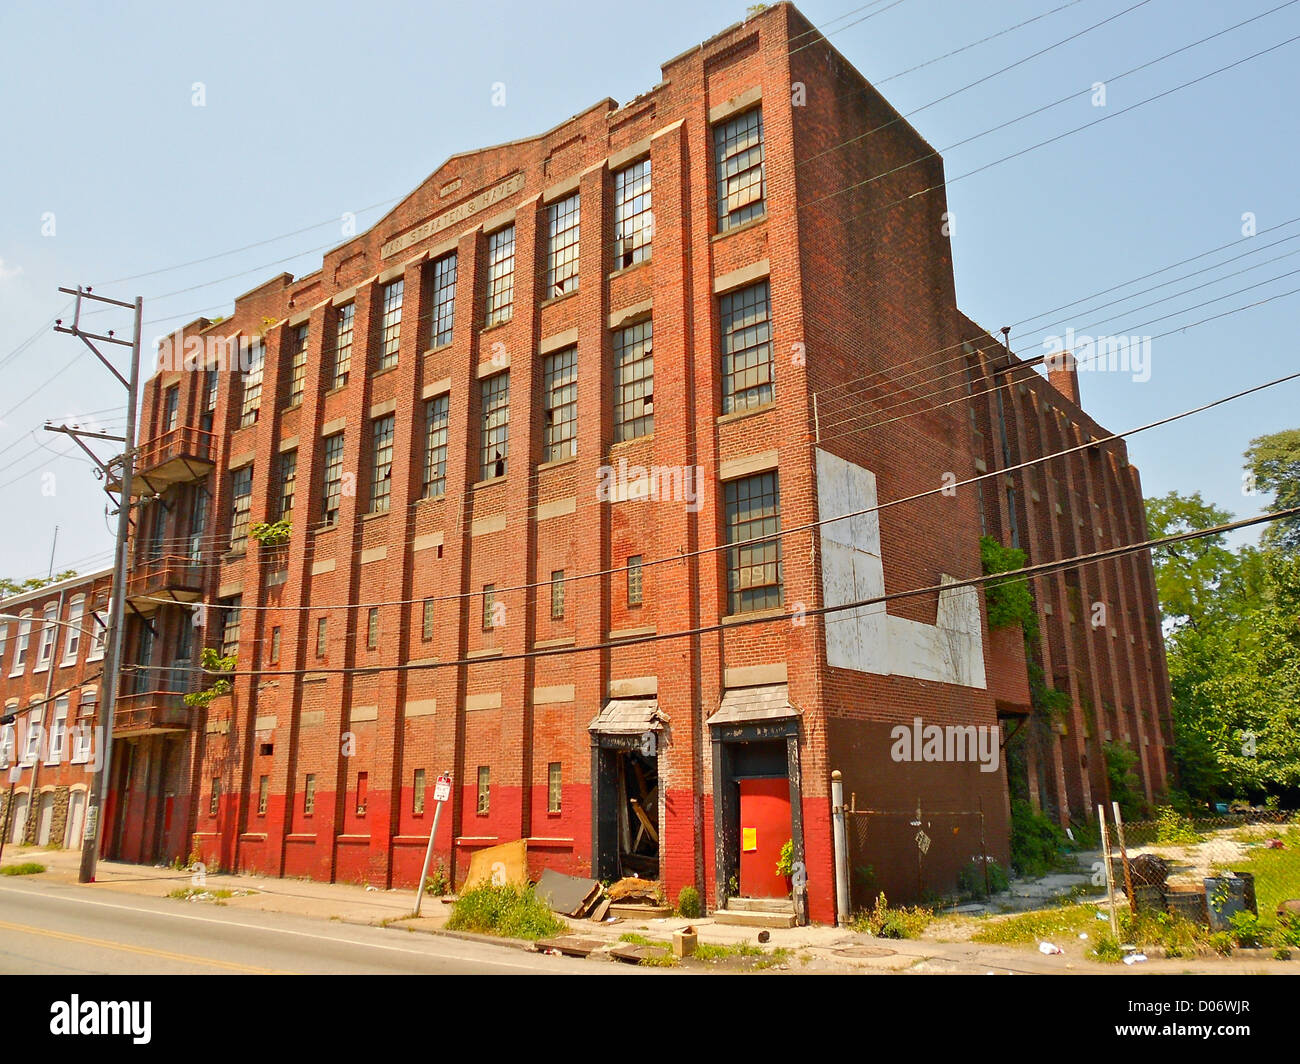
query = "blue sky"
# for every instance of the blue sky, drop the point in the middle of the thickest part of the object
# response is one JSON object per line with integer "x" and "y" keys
{"x": 312, "y": 110}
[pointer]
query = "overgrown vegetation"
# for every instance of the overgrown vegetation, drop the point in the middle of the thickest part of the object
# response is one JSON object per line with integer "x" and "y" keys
{"x": 785, "y": 862}
{"x": 1172, "y": 826}
{"x": 17, "y": 587}
{"x": 212, "y": 661}
{"x": 882, "y": 921}
{"x": 1009, "y": 601}
{"x": 271, "y": 534}
{"x": 27, "y": 868}
{"x": 438, "y": 884}
{"x": 972, "y": 879}
{"x": 509, "y": 911}
{"x": 688, "y": 903}
{"x": 1036, "y": 842}
{"x": 1066, "y": 921}
{"x": 1125, "y": 787}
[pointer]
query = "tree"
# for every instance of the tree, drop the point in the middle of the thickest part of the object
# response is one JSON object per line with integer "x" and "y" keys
{"x": 1274, "y": 460}
{"x": 1190, "y": 576}
{"x": 15, "y": 587}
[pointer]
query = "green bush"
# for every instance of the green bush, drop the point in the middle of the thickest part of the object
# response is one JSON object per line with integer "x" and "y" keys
{"x": 29, "y": 868}
{"x": 1124, "y": 783}
{"x": 509, "y": 911}
{"x": 1009, "y": 601}
{"x": 971, "y": 878}
{"x": 688, "y": 903}
{"x": 1246, "y": 930}
{"x": 1106, "y": 949}
{"x": 1172, "y": 826}
{"x": 1035, "y": 841}
{"x": 884, "y": 922}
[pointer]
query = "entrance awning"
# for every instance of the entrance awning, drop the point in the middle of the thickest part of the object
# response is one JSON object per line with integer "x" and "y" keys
{"x": 628, "y": 716}
{"x": 754, "y": 705}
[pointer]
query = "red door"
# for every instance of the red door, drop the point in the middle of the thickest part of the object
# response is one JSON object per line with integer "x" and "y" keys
{"x": 764, "y": 829}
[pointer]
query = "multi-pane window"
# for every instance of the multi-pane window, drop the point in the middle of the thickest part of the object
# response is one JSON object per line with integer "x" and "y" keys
{"x": 230, "y": 626}
{"x": 634, "y": 580}
{"x": 263, "y": 789}
{"x": 58, "y": 731}
{"x": 560, "y": 404}
{"x": 210, "y": 382}
{"x": 484, "y": 790}
{"x": 45, "y": 649}
{"x": 557, "y": 595}
{"x": 633, "y": 221}
{"x": 738, "y": 156}
{"x": 372, "y": 628}
{"x": 8, "y": 739}
{"x": 98, "y": 633}
{"x": 435, "y": 446}
{"x": 198, "y": 522}
{"x": 444, "y": 299}
{"x": 343, "y": 343}
{"x": 322, "y": 629}
{"x": 562, "y": 247}
{"x": 426, "y": 621}
{"x": 297, "y": 363}
{"x": 489, "y": 605}
{"x": 22, "y": 642}
{"x": 417, "y": 792}
{"x": 214, "y": 796}
{"x": 333, "y": 478}
{"x": 553, "y": 788}
{"x": 71, "y": 641}
{"x": 309, "y": 794}
{"x": 171, "y": 407}
{"x": 35, "y": 732}
{"x": 495, "y": 447}
{"x": 252, "y": 401}
{"x": 634, "y": 381}
{"x": 746, "y": 348}
{"x": 241, "y": 493}
{"x": 500, "y": 275}
{"x": 381, "y": 464}
{"x": 288, "y": 481}
{"x": 390, "y": 324}
{"x": 753, "y": 511}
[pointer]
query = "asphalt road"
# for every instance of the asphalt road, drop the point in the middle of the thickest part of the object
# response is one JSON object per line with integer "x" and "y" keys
{"x": 57, "y": 929}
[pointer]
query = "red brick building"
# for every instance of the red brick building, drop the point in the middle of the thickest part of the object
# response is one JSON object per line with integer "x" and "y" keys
{"x": 558, "y": 406}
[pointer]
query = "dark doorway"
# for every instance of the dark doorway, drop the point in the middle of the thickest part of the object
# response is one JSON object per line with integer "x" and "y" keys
{"x": 626, "y": 810}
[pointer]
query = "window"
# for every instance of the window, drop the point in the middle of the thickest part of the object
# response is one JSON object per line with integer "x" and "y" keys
{"x": 322, "y": 644}
{"x": 501, "y": 276}
{"x": 98, "y": 633}
{"x": 309, "y": 794}
{"x": 484, "y": 786}
{"x": 435, "y": 447}
{"x": 171, "y": 408}
{"x": 426, "y": 628}
{"x": 275, "y": 645}
{"x": 229, "y": 626}
{"x": 444, "y": 299}
{"x": 89, "y": 703}
{"x": 372, "y": 628}
{"x": 738, "y": 155}
{"x": 333, "y": 478}
{"x": 496, "y": 426}
{"x": 746, "y": 348}
{"x": 633, "y": 221}
{"x": 253, "y": 384}
{"x": 72, "y": 640}
{"x": 381, "y": 464}
{"x": 562, "y": 247}
{"x": 263, "y": 787}
{"x": 4, "y": 639}
{"x": 390, "y": 324}
{"x": 417, "y": 792}
{"x": 634, "y": 381}
{"x": 8, "y": 738}
{"x": 489, "y": 603}
{"x": 35, "y": 733}
{"x": 21, "y": 643}
{"x": 343, "y": 343}
{"x": 241, "y": 491}
{"x": 210, "y": 382}
{"x": 560, "y": 405}
{"x": 363, "y": 792}
{"x": 288, "y": 480}
{"x": 557, "y": 595}
{"x": 58, "y": 731}
{"x": 634, "y": 580}
{"x": 753, "y": 510}
{"x": 198, "y": 522}
{"x": 553, "y": 789}
{"x": 45, "y": 649}
{"x": 297, "y": 363}
{"x": 214, "y": 798}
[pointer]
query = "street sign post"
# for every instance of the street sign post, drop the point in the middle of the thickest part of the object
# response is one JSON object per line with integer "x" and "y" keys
{"x": 441, "y": 792}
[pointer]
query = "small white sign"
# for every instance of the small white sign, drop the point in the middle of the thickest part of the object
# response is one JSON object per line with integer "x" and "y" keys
{"x": 442, "y": 789}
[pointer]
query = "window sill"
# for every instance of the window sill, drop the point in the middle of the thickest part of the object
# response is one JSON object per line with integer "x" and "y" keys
{"x": 291, "y": 407}
{"x": 558, "y": 299}
{"x": 375, "y": 513}
{"x": 630, "y": 269}
{"x": 383, "y": 372}
{"x": 737, "y": 415}
{"x": 40, "y": 668}
{"x": 324, "y": 529}
{"x": 753, "y": 615}
{"x": 440, "y": 497}
{"x": 630, "y": 633}
{"x": 555, "y": 463}
{"x": 335, "y": 390}
{"x": 548, "y": 644}
{"x": 234, "y": 555}
{"x": 489, "y": 482}
{"x": 631, "y": 441}
{"x": 486, "y": 652}
{"x": 752, "y": 223}
{"x": 496, "y": 325}
{"x": 438, "y": 349}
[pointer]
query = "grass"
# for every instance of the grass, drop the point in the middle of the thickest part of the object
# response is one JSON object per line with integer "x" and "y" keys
{"x": 186, "y": 893}
{"x": 1277, "y": 872}
{"x": 1066, "y": 921}
{"x": 747, "y": 954}
{"x": 508, "y": 911}
{"x": 27, "y": 868}
{"x": 885, "y": 922}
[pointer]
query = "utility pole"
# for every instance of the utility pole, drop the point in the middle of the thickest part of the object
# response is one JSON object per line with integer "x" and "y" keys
{"x": 117, "y": 604}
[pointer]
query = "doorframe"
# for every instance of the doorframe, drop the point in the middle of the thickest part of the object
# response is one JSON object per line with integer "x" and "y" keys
{"x": 726, "y": 801}
{"x": 602, "y": 743}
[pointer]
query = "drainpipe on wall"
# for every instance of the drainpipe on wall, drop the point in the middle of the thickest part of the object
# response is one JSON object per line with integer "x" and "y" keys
{"x": 841, "y": 850}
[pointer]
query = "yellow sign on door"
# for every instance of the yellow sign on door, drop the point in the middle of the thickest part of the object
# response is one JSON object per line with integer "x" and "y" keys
{"x": 749, "y": 839}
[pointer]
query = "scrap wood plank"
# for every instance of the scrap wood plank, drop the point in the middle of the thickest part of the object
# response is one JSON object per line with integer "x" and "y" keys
{"x": 645, "y": 823}
{"x": 570, "y": 945}
{"x": 601, "y": 910}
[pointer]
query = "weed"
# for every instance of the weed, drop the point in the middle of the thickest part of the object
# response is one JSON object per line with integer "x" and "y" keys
{"x": 688, "y": 903}
{"x": 1221, "y": 943}
{"x": 509, "y": 911}
{"x": 1172, "y": 826}
{"x": 1107, "y": 949}
{"x": 27, "y": 868}
{"x": 1247, "y": 931}
{"x": 884, "y": 922}
{"x": 1036, "y": 926}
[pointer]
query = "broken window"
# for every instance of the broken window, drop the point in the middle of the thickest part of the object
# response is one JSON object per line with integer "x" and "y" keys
{"x": 562, "y": 248}
{"x": 633, "y": 221}
{"x": 560, "y": 405}
{"x": 496, "y": 426}
{"x": 738, "y": 155}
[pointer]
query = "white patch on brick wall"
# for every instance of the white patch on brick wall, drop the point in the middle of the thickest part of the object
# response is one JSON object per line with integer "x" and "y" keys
{"x": 868, "y": 639}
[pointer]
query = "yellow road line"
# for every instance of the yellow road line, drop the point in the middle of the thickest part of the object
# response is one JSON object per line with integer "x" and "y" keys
{"x": 146, "y": 951}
